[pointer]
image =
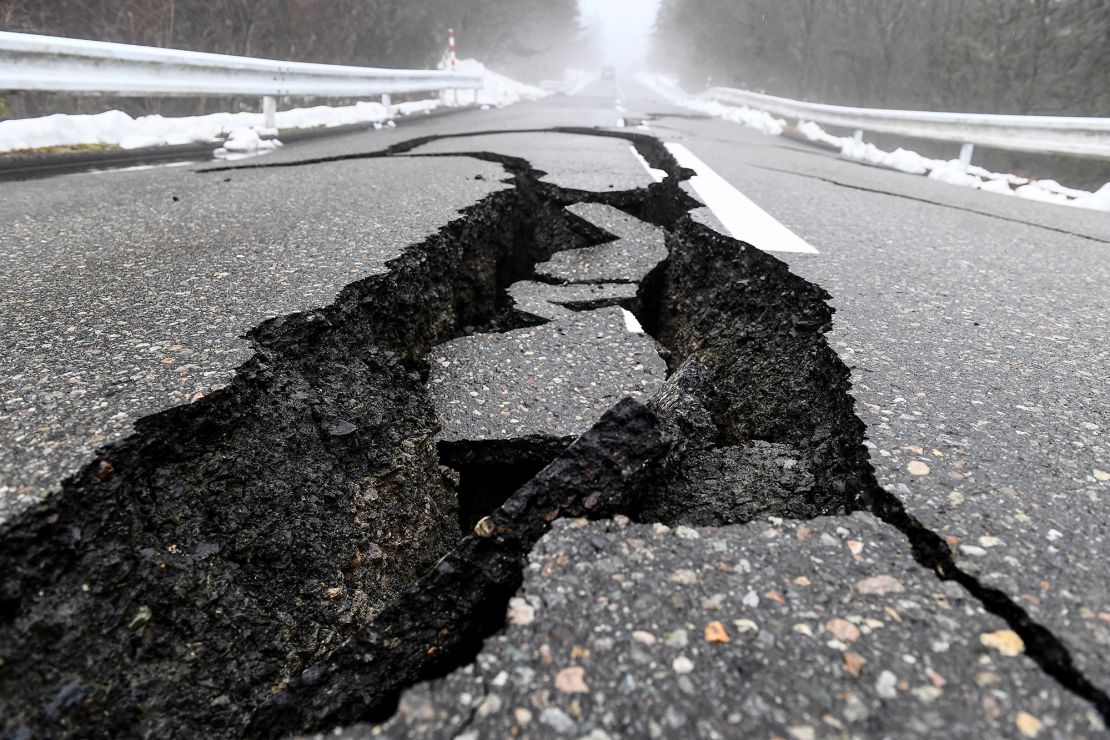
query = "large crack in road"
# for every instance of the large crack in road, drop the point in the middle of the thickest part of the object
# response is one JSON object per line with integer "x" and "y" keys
{"x": 288, "y": 554}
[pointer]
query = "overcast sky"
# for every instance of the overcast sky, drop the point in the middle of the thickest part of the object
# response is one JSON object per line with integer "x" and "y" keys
{"x": 624, "y": 26}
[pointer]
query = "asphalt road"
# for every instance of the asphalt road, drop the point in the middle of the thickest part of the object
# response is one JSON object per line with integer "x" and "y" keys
{"x": 976, "y": 326}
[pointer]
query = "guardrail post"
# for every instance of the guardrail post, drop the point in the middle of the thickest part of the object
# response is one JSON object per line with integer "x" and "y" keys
{"x": 269, "y": 111}
{"x": 387, "y": 103}
{"x": 965, "y": 154}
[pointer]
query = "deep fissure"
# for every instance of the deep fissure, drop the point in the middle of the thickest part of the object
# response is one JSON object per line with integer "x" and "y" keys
{"x": 190, "y": 561}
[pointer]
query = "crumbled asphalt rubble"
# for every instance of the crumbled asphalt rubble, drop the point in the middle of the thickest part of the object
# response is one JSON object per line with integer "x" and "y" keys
{"x": 186, "y": 584}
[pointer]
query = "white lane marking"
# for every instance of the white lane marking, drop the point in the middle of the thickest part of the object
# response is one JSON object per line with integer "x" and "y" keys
{"x": 631, "y": 323}
{"x": 657, "y": 175}
{"x": 737, "y": 213}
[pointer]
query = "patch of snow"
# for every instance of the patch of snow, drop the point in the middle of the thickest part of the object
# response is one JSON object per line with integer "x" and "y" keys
{"x": 952, "y": 171}
{"x": 1033, "y": 191}
{"x": 1098, "y": 200}
{"x": 497, "y": 90}
{"x": 813, "y": 132}
{"x": 246, "y": 141}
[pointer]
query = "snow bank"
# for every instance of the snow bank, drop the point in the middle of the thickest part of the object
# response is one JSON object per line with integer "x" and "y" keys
{"x": 119, "y": 129}
{"x": 497, "y": 90}
{"x": 116, "y": 128}
{"x": 952, "y": 172}
{"x": 757, "y": 119}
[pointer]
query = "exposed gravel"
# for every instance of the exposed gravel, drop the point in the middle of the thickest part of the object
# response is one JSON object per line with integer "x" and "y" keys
{"x": 772, "y": 629}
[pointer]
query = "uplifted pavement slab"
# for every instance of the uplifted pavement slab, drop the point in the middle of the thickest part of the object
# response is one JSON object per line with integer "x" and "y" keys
{"x": 553, "y": 380}
{"x": 825, "y": 628}
{"x": 615, "y": 221}
{"x": 546, "y": 301}
{"x": 637, "y": 250}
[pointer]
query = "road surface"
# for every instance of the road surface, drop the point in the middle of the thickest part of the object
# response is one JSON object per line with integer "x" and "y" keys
{"x": 975, "y": 328}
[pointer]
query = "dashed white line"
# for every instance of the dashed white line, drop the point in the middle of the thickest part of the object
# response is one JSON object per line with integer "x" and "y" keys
{"x": 737, "y": 213}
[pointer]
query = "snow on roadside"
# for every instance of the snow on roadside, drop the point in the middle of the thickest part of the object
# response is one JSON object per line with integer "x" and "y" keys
{"x": 952, "y": 172}
{"x": 498, "y": 90}
{"x": 239, "y": 133}
{"x": 757, "y": 119}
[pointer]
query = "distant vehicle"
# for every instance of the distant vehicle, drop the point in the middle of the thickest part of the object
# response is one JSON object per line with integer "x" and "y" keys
{"x": 608, "y": 73}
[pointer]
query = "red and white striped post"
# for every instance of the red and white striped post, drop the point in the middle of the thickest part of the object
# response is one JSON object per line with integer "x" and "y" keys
{"x": 452, "y": 65}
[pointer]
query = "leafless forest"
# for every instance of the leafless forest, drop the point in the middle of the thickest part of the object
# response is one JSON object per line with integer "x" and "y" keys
{"x": 993, "y": 56}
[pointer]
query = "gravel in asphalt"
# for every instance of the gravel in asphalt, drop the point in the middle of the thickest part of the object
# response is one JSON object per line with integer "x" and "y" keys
{"x": 776, "y": 628}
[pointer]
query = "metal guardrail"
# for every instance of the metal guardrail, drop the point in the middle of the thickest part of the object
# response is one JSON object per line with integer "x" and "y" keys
{"x": 1074, "y": 136}
{"x": 55, "y": 64}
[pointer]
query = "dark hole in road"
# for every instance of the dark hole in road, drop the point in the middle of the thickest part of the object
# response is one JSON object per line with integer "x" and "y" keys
{"x": 490, "y": 472}
{"x": 286, "y": 556}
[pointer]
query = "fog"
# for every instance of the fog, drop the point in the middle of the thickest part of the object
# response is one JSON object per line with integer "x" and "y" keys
{"x": 622, "y": 28}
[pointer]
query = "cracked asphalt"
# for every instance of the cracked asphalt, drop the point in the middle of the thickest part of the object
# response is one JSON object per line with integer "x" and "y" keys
{"x": 976, "y": 327}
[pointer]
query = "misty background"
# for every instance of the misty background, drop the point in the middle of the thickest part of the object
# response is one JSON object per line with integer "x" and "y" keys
{"x": 993, "y": 56}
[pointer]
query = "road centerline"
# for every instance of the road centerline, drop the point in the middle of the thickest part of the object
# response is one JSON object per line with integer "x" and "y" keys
{"x": 739, "y": 215}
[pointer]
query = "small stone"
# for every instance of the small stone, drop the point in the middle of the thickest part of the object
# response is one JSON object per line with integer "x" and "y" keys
{"x": 715, "y": 633}
{"x": 880, "y": 586}
{"x": 557, "y": 720}
{"x": 854, "y": 663}
{"x": 744, "y": 626}
{"x": 1006, "y": 642}
{"x": 986, "y": 678}
{"x": 521, "y": 612}
{"x": 105, "y": 471}
{"x": 855, "y": 547}
{"x": 1101, "y": 475}
{"x": 484, "y": 528}
{"x": 571, "y": 680}
{"x": 842, "y": 629}
{"x": 926, "y": 694}
{"x": 643, "y": 637}
{"x": 676, "y": 639}
{"x": 686, "y": 533}
{"x": 522, "y": 716}
{"x": 141, "y": 619}
{"x": 685, "y": 577}
{"x": 886, "y": 685}
{"x": 751, "y": 599}
{"x": 682, "y": 664}
{"x": 935, "y": 678}
{"x": 339, "y": 427}
{"x": 803, "y": 732}
{"x": 916, "y": 467}
{"x": 1027, "y": 724}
